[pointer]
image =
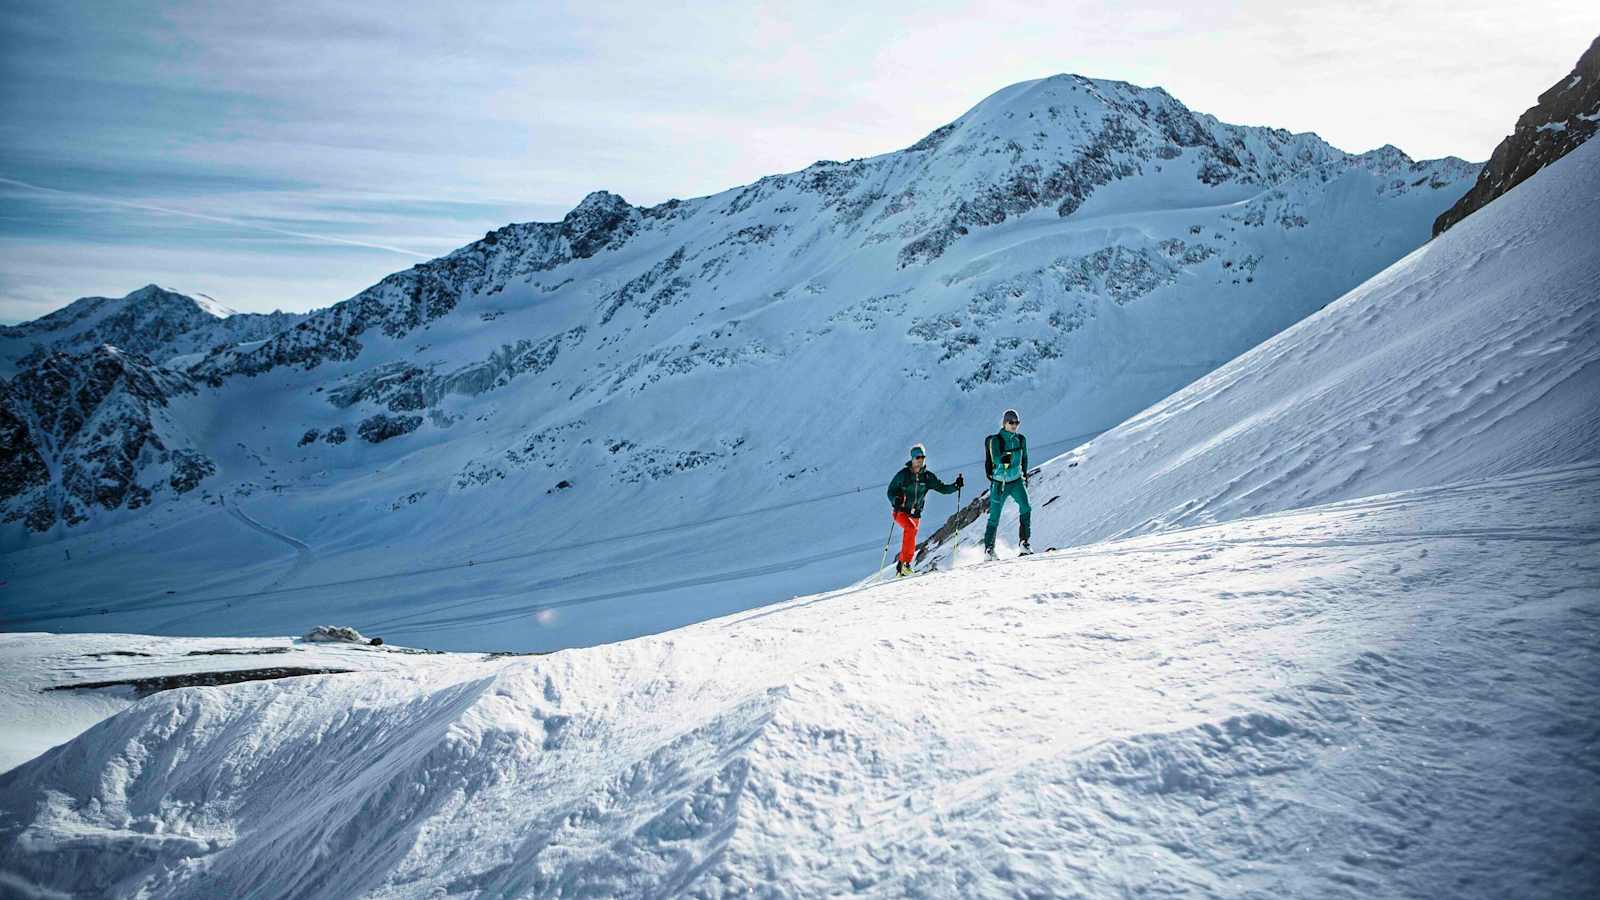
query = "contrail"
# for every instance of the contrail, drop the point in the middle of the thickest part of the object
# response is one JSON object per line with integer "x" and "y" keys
{"x": 238, "y": 223}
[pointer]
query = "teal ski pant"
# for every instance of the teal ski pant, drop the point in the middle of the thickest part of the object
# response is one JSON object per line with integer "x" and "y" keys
{"x": 998, "y": 492}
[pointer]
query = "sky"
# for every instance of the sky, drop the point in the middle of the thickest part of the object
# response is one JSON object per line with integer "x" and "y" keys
{"x": 287, "y": 155}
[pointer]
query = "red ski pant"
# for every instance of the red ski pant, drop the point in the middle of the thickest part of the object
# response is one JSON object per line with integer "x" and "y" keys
{"x": 908, "y": 543}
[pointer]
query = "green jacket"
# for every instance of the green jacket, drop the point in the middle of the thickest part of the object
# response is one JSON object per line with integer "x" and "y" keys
{"x": 995, "y": 448}
{"x": 907, "y": 490}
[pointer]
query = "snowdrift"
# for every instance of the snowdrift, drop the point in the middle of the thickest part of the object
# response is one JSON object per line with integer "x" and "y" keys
{"x": 1476, "y": 355}
{"x": 57, "y": 686}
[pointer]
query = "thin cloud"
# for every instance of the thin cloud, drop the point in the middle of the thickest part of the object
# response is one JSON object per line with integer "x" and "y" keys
{"x": 430, "y": 125}
{"x": 224, "y": 220}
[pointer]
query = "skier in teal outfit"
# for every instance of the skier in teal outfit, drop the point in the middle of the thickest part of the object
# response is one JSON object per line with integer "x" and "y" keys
{"x": 1005, "y": 458}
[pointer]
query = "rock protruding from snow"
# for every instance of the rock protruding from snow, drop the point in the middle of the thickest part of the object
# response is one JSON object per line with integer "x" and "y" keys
{"x": 1566, "y": 115}
{"x": 602, "y": 220}
{"x": 336, "y": 633}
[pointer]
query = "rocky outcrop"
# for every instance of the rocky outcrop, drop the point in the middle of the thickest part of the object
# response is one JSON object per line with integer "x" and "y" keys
{"x": 22, "y": 469}
{"x": 155, "y": 684}
{"x": 90, "y": 431}
{"x": 408, "y": 387}
{"x": 1566, "y": 115}
{"x": 381, "y": 427}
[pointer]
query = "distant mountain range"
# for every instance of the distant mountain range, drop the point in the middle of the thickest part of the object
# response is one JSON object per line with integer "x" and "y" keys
{"x": 169, "y": 327}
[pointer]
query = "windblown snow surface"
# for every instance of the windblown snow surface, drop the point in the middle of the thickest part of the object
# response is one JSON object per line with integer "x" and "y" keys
{"x": 1387, "y": 695}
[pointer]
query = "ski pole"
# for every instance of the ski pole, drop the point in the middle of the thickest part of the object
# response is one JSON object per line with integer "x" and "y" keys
{"x": 886, "y": 542}
{"x": 957, "y": 544}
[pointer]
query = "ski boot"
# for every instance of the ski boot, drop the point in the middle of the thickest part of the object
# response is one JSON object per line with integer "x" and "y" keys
{"x": 988, "y": 554}
{"x": 1026, "y": 550}
{"x": 901, "y": 569}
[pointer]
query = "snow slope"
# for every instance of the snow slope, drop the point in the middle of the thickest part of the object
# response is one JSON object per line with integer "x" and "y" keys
{"x": 1476, "y": 355}
{"x": 1391, "y": 696}
{"x": 578, "y": 431}
{"x": 39, "y": 714}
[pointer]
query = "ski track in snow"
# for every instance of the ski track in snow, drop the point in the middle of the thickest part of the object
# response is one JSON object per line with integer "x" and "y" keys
{"x": 303, "y": 554}
{"x": 299, "y": 546}
{"x": 1326, "y": 702}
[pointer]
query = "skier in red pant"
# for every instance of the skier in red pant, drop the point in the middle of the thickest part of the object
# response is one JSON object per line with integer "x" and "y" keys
{"x": 907, "y": 491}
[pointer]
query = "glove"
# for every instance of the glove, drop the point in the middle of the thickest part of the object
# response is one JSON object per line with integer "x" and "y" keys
{"x": 960, "y": 482}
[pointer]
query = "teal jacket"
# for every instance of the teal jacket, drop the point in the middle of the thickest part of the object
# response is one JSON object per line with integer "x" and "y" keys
{"x": 907, "y": 490}
{"x": 996, "y": 448}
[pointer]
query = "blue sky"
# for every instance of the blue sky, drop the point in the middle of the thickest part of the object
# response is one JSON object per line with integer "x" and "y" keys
{"x": 288, "y": 154}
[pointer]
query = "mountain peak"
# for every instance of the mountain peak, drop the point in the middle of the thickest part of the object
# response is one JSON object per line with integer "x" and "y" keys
{"x": 598, "y": 202}
{"x": 1064, "y": 93}
{"x": 596, "y": 221}
{"x": 203, "y": 302}
{"x": 1387, "y": 158}
{"x": 150, "y": 290}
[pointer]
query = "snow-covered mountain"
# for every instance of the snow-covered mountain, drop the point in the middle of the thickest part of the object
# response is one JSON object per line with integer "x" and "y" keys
{"x": 1391, "y": 695}
{"x": 86, "y": 394}
{"x": 711, "y": 378}
{"x": 170, "y": 328}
